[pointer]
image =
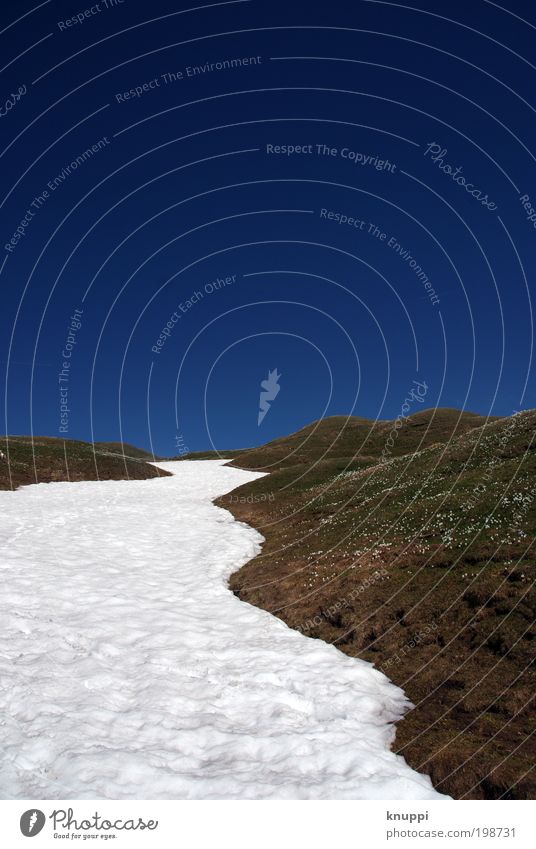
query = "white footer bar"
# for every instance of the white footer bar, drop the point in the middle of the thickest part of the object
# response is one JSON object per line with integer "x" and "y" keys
{"x": 269, "y": 825}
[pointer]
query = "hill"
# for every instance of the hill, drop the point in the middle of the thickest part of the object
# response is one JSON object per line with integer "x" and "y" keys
{"x": 350, "y": 437}
{"x": 42, "y": 459}
{"x": 421, "y": 561}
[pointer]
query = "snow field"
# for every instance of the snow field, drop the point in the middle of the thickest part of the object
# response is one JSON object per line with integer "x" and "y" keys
{"x": 129, "y": 670}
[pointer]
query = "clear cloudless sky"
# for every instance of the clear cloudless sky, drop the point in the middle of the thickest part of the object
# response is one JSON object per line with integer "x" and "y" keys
{"x": 339, "y": 191}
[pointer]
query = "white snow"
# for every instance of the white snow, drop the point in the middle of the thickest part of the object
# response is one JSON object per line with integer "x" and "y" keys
{"x": 129, "y": 670}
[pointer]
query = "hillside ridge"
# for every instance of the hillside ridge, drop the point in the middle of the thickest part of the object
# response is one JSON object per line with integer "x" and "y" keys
{"x": 421, "y": 562}
{"x": 46, "y": 459}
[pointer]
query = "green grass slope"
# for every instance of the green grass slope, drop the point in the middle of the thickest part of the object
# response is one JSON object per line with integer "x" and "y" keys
{"x": 38, "y": 459}
{"x": 348, "y": 437}
{"x": 127, "y": 450}
{"x": 421, "y": 561}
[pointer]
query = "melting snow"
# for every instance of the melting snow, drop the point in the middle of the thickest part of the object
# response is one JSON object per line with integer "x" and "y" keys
{"x": 129, "y": 670}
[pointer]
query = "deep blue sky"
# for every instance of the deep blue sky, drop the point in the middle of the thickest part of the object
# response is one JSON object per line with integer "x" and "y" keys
{"x": 182, "y": 192}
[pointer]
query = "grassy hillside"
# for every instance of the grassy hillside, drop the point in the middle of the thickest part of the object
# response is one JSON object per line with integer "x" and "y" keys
{"x": 420, "y": 560}
{"x": 206, "y": 455}
{"x": 348, "y": 437}
{"x": 127, "y": 450}
{"x": 44, "y": 459}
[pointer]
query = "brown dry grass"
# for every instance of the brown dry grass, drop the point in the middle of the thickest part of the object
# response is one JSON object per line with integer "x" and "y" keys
{"x": 362, "y": 561}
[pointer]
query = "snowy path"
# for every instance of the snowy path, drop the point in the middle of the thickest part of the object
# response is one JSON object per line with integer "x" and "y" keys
{"x": 128, "y": 669}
